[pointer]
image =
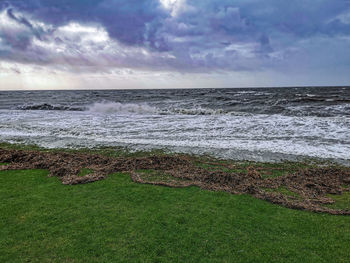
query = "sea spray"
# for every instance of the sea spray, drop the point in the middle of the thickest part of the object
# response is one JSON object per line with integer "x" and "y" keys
{"x": 117, "y": 107}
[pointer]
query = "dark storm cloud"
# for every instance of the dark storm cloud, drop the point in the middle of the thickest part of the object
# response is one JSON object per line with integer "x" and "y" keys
{"x": 125, "y": 20}
{"x": 205, "y": 35}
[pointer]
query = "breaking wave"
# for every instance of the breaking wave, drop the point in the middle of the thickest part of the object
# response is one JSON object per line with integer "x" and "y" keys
{"x": 109, "y": 107}
{"x": 46, "y": 106}
{"x": 143, "y": 108}
{"x": 173, "y": 108}
{"x": 261, "y": 124}
{"x": 117, "y": 107}
{"x": 99, "y": 107}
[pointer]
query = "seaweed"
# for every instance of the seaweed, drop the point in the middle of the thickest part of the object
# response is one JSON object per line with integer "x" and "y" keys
{"x": 305, "y": 188}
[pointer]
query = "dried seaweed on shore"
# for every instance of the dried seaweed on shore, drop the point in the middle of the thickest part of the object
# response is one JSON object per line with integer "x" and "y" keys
{"x": 308, "y": 187}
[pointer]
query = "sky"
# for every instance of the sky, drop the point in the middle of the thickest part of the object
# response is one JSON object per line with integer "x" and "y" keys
{"x": 120, "y": 44}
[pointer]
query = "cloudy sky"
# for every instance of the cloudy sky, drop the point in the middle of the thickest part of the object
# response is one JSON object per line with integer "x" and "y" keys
{"x": 93, "y": 44}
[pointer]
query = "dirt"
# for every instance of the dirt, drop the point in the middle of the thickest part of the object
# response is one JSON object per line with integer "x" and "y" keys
{"x": 310, "y": 187}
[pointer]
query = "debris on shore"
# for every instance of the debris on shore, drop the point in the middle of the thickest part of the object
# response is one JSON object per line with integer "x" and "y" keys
{"x": 305, "y": 189}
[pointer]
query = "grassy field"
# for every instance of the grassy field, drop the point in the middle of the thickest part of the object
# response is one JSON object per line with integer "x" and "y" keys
{"x": 117, "y": 220}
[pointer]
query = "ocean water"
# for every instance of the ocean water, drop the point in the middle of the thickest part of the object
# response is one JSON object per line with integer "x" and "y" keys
{"x": 263, "y": 124}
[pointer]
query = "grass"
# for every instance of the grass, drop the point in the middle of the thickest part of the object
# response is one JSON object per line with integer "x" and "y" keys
{"x": 156, "y": 176}
{"x": 85, "y": 171}
{"x": 116, "y": 220}
{"x": 265, "y": 169}
{"x": 106, "y": 151}
{"x": 341, "y": 201}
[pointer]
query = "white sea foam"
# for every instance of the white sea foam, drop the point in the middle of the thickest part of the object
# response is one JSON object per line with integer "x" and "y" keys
{"x": 117, "y": 107}
{"x": 109, "y": 107}
{"x": 264, "y": 124}
{"x": 259, "y": 136}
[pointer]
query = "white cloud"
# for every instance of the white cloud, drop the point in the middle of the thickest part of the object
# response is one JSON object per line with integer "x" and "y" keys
{"x": 9, "y": 24}
{"x": 345, "y": 17}
{"x": 73, "y": 31}
{"x": 246, "y": 50}
{"x": 176, "y": 6}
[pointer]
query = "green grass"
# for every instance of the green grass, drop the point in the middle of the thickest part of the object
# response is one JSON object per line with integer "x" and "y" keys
{"x": 85, "y": 171}
{"x": 116, "y": 220}
{"x": 106, "y": 151}
{"x": 156, "y": 176}
{"x": 265, "y": 169}
{"x": 3, "y": 164}
{"x": 341, "y": 201}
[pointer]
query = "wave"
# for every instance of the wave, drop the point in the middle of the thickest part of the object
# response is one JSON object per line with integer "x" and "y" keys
{"x": 109, "y": 107}
{"x": 117, "y": 107}
{"x": 143, "y": 108}
{"x": 197, "y": 111}
{"x": 311, "y": 99}
{"x": 99, "y": 107}
{"x": 46, "y": 106}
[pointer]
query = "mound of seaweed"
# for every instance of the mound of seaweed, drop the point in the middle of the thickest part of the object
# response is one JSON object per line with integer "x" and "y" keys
{"x": 310, "y": 187}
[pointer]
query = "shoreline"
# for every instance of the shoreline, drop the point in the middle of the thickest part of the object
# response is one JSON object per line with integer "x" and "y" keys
{"x": 298, "y": 185}
{"x": 142, "y": 150}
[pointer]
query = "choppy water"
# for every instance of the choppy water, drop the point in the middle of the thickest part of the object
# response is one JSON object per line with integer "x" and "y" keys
{"x": 258, "y": 124}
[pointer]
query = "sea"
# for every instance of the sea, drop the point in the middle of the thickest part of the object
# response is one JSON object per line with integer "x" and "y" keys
{"x": 259, "y": 124}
